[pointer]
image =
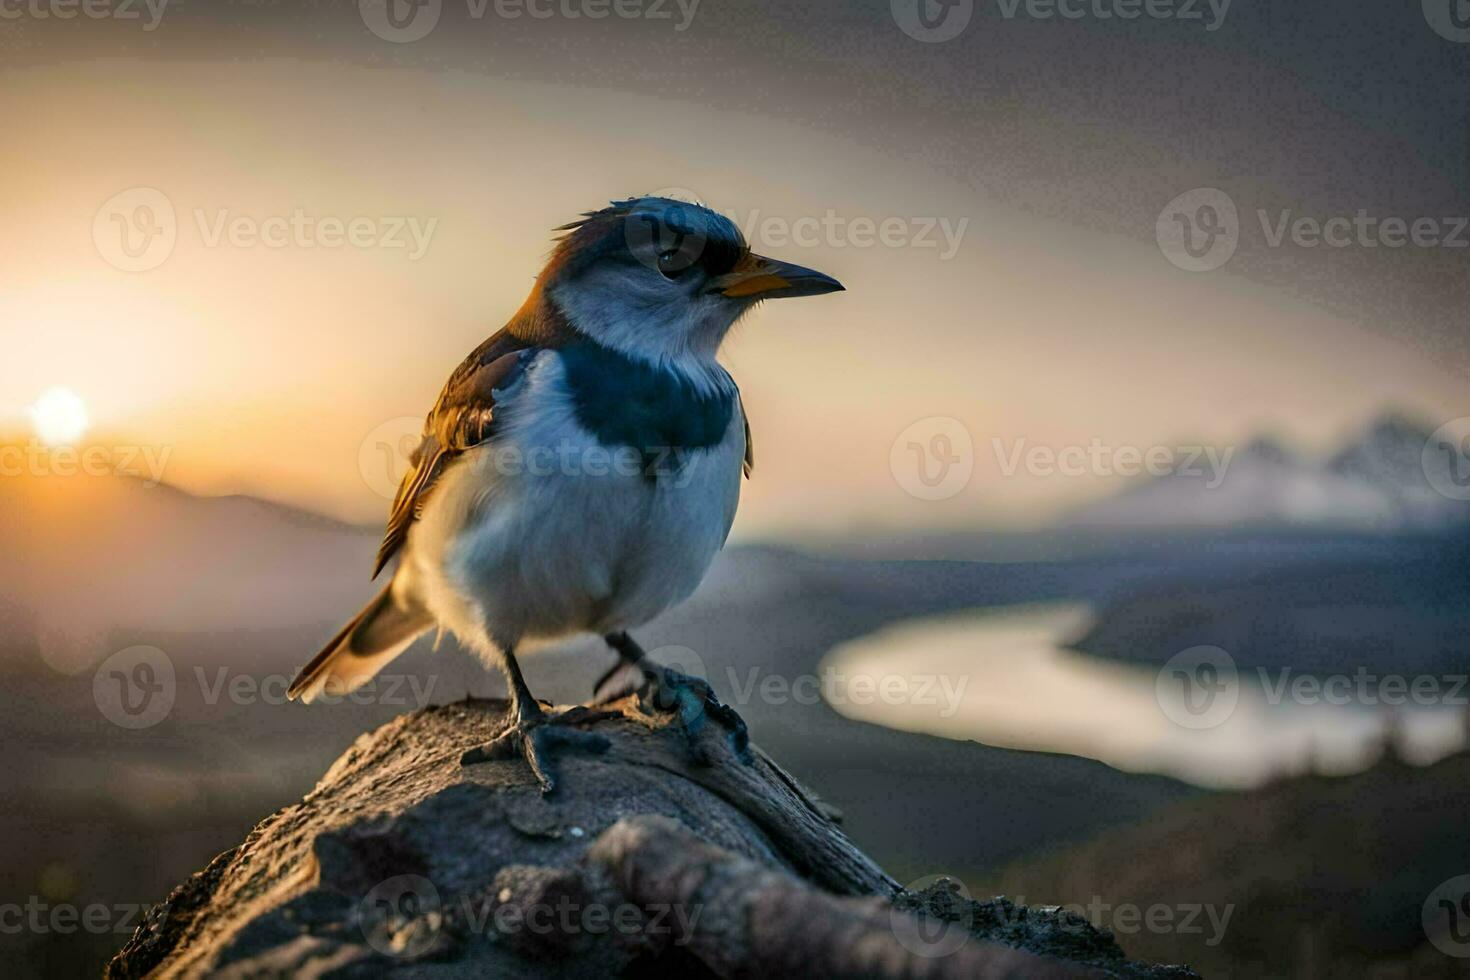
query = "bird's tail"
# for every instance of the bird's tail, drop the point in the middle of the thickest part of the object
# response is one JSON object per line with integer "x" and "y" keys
{"x": 382, "y": 631}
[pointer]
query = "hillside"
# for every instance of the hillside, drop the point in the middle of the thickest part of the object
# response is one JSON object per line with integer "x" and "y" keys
{"x": 1328, "y": 877}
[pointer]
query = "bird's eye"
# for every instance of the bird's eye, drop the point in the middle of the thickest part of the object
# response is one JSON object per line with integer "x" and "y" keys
{"x": 672, "y": 263}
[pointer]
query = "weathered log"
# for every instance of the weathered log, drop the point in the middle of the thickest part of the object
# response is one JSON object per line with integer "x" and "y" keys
{"x": 402, "y": 861}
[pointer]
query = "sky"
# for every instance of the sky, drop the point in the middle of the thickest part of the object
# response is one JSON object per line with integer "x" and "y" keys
{"x": 992, "y": 201}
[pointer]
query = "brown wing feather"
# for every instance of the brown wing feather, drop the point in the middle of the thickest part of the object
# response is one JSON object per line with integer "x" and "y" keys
{"x": 749, "y": 465}
{"x": 459, "y": 421}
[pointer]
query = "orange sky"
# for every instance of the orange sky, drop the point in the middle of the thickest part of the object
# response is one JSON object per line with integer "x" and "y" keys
{"x": 266, "y": 369}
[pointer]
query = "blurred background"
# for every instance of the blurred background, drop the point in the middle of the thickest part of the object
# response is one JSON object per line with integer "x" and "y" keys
{"x": 1109, "y": 539}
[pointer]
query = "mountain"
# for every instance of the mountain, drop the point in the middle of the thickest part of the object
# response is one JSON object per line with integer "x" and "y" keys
{"x": 1383, "y": 481}
{"x": 1395, "y": 458}
{"x": 95, "y": 554}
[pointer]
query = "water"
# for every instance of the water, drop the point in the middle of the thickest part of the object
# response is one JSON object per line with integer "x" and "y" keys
{"x": 1004, "y": 677}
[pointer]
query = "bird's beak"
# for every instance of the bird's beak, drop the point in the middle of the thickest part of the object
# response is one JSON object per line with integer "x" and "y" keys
{"x": 757, "y": 277}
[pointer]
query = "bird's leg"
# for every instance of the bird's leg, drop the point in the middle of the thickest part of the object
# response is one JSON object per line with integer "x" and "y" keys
{"x": 691, "y": 698}
{"x": 535, "y": 735}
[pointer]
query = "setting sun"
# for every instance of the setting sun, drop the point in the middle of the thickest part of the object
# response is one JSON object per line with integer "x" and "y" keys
{"x": 59, "y": 417}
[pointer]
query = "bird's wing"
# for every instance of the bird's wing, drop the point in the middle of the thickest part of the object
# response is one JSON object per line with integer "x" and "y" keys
{"x": 460, "y": 420}
{"x": 749, "y": 464}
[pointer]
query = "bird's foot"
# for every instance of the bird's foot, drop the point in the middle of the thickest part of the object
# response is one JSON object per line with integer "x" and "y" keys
{"x": 694, "y": 702}
{"x": 537, "y": 736}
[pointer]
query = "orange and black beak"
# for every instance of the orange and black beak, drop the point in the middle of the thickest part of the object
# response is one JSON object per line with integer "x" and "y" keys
{"x": 757, "y": 277}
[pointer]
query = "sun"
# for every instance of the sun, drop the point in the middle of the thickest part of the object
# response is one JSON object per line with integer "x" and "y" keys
{"x": 59, "y": 417}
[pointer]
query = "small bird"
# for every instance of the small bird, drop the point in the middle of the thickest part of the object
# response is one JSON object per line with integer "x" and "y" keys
{"x": 579, "y": 471}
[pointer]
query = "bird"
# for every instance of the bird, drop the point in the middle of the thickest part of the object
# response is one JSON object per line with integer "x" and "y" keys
{"x": 578, "y": 473}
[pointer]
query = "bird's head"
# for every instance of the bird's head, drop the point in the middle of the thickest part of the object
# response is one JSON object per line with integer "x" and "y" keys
{"x": 664, "y": 280}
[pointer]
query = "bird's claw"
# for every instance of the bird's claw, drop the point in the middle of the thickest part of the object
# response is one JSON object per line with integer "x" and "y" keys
{"x": 536, "y": 737}
{"x": 694, "y": 701}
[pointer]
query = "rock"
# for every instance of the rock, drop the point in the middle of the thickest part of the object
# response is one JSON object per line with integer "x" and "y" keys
{"x": 403, "y": 862}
